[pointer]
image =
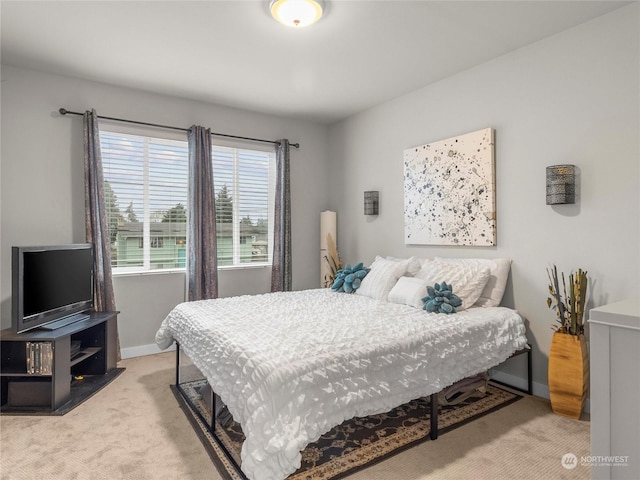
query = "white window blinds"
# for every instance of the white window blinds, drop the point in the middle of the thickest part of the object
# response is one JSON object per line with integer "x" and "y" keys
{"x": 244, "y": 190}
{"x": 146, "y": 181}
{"x": 146, "y": 199}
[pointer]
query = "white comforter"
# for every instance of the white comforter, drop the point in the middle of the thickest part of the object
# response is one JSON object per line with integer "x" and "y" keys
{"x": 292, "y": 365}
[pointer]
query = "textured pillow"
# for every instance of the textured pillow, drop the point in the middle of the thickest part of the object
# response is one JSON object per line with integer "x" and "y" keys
{"x": 414, "y": 266}
{"x": 441, "y": 299}
{"x": 381, "y": 278}
{"x": 349, "y": 278}
{"x": 468, "y": 281}
{"x": 409, "y": 291}
{"x": 498, "y": 274}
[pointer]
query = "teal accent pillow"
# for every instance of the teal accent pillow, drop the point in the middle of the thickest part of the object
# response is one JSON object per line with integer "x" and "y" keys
{"x": 441, "y": 299}
{"x": 348, "y": 279}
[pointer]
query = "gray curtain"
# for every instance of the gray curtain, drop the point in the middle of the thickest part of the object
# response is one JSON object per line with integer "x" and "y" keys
{"x": 281, "y": 268}
{"x": 96, "y": 217}
{"x": 202, "y": 260}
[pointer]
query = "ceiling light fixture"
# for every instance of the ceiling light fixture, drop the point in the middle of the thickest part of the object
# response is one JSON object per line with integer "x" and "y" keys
{"x": 297, "y": 13}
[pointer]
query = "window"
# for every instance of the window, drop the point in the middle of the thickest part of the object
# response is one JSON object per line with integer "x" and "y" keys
{"x": 244, "y": 195}
{"x": 146, "y": 180}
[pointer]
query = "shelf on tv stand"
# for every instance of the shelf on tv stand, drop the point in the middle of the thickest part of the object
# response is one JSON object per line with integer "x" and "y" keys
{"x": 84, "y": 354}
{"x": 71, "y": 380}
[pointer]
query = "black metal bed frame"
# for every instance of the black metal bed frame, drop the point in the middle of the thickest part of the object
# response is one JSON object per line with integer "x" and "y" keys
{"x": 433, "y": 421}
{"x": 529, "y": 389}
{"x": 211, "y": 426}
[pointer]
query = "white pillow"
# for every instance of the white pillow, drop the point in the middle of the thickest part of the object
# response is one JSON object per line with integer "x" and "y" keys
{"x": 414, "y": 266}
{"x": 467, "y": 281}
{"x": 382, "y": 277}
{"x": 498, "y": 274}
{"x": 409, "y": 291}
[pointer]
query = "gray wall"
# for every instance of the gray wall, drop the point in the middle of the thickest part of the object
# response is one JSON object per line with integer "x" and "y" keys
{"x": 572, "y": 98}
{"x": 42, "y": 199}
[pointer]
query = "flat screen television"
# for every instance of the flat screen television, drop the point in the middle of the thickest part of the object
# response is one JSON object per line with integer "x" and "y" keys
{"x": 51, "y": 286}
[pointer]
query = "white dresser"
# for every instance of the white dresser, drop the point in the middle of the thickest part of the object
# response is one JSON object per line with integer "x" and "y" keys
{"x": 615, "y": 390}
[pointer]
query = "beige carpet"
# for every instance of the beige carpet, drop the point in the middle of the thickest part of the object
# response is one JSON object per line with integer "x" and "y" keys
{"x": 134, "y": 429}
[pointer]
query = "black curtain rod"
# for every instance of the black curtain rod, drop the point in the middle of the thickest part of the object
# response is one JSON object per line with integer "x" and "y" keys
{"x": 64, "y": 111}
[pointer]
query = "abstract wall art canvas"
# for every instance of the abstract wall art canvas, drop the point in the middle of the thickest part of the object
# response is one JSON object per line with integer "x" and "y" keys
{"x": 449, "y": 191}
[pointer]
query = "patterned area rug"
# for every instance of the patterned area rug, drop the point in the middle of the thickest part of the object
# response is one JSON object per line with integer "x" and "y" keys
{"x": 351, "y": 446}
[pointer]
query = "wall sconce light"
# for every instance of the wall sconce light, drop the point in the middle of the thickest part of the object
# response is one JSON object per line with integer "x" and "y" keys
{"x": 371, "y": 203}
{"x": 561, "y": 184}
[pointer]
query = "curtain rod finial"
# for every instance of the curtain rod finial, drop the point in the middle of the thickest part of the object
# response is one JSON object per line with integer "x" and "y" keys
{"x": 62, "y": 111}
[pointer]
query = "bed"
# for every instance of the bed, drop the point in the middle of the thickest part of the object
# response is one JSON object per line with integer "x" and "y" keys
{"x": 291, "y": 365}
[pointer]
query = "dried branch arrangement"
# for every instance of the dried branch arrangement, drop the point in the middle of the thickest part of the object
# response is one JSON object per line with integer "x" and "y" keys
{"x": 569, "y": 304}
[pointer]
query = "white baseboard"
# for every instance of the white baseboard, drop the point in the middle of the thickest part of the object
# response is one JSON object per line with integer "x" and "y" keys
{"x": 142, "y": 350}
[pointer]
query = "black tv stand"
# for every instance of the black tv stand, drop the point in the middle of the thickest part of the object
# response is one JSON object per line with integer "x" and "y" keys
{"x": 58, "y": 383}
{"x": 63, "y": 322}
